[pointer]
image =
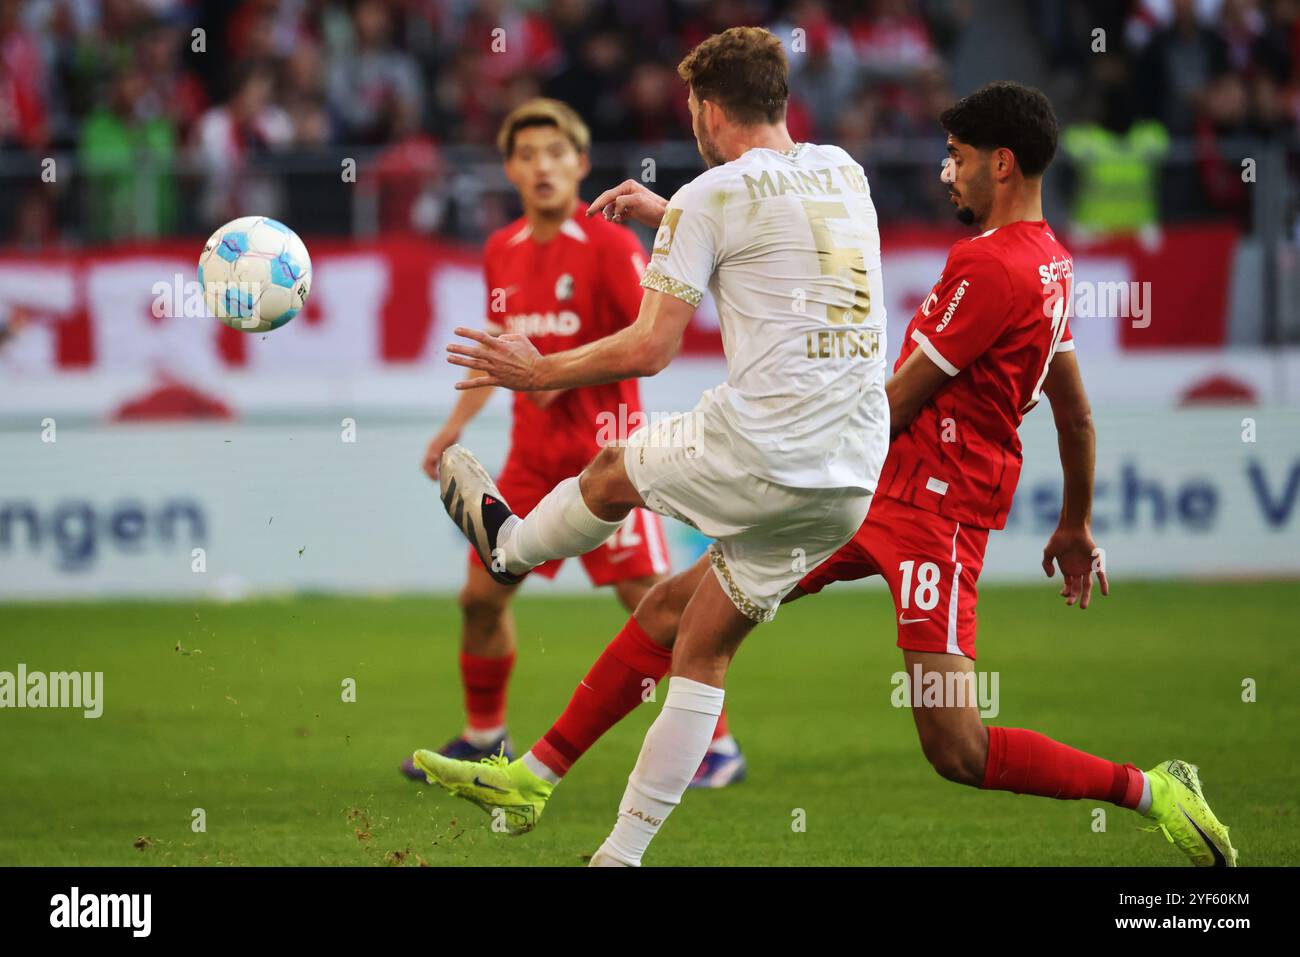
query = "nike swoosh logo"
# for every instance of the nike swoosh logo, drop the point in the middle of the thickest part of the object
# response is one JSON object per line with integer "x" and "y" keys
{"x": 490, "y": 787}
{"x": 910, "y": 621}
{"x": 1219, "y": 860}
{"x": 615, "y": 557}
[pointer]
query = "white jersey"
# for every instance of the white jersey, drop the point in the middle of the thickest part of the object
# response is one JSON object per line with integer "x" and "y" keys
{"x": 788, "y": 245}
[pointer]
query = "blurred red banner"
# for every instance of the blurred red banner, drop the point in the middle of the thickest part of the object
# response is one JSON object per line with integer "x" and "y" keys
{"x": 394, "y": 301}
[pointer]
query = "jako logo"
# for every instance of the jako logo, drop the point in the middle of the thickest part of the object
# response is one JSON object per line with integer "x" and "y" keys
{"x": 103, "y": 910}
{"x": 76, "y": 530}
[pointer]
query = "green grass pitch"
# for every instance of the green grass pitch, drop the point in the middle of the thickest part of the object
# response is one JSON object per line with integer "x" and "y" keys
{"x": 237, "y": 709}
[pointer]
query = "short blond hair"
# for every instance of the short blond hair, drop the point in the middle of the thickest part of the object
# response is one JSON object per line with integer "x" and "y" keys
{"x": 542, "y": 111}
{"x": 744, "y": 71}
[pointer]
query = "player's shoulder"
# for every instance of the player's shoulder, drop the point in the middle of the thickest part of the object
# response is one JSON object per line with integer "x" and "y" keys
{"x": 1053, "y": 244}
{"x": 1020, "y": 249}
{"x": 508, "y": 235}
{"x": 710, "y": 189}
{"x": 980, "y": 253}
{"x": 830, "y": 153}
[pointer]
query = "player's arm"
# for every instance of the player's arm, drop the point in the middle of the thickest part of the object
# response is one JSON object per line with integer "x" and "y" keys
{"x": 1071, "y": 546}
{"x": 687, "y": 250}
{"x": 971, "y": 308}
{"x": 910, "y": 388}
{"x": 641, "y": 349}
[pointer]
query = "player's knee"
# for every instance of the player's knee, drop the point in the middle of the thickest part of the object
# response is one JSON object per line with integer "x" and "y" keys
{"x": 482, "y": 604}
{"x": 632, "y": 592}
{"x": 959, "y": 758}
{"x": 605, "y": 486}
{"x": 659, "y": 613}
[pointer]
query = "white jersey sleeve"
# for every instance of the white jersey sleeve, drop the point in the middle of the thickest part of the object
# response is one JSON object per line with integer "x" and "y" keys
{"x": 687, "y": 247}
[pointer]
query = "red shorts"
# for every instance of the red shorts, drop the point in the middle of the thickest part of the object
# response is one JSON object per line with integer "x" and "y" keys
{"x": 931, "y": 564}
{"x": 636, "y": 550}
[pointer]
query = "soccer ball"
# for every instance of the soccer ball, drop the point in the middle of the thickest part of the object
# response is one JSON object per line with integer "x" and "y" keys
{"x": 255, "y": 274}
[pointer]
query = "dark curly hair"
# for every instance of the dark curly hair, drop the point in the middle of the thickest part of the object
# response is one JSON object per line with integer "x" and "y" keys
{"x": 1006, "y": 115}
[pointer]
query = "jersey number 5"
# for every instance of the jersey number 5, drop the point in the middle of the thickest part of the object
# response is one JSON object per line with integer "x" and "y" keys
{"x": 844, "y": 262}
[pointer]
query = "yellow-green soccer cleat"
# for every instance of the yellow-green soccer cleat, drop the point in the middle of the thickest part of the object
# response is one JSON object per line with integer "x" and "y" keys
{"x": 505, "y": 789}
{"x": 1180, "y": 810}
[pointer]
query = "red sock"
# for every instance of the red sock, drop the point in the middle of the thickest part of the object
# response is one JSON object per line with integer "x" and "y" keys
{"x": 721, "y": 731}
{"x": 1027, "y": 762}
{"x": 485, "y": 681}
{"x": 613, "y": 687}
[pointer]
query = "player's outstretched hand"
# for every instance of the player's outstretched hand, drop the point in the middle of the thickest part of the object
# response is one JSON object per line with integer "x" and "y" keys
{"x": 508, "y": 360}
{"x": 630, "y": 200}
{"x": 1078, "y": 557}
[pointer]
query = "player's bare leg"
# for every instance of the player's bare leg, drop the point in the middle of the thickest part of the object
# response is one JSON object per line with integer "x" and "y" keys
{"x": 953, "y": 737}
{"x": 630, "y": 591}
{"x": 487, "y": 622}
{"x": 621, "y": 679}
{"x": 723, "y": 764}
{"x": 710, "y": 632}
{"x": 660, "y": 610}
{"x": 963, "y": 749}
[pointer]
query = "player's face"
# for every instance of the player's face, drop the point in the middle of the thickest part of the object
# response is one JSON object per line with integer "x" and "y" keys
{"x": 704, "y": 142}
{"x": 969, "y": 177}
{"x": 546, "y": 169}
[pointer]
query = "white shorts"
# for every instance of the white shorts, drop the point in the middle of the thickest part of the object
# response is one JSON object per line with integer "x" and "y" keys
{"x": 766, "y": 536}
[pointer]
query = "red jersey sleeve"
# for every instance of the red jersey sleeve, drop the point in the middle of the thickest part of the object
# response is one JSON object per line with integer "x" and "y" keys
{"x": 624, "y": 265}
{"x": 975, "y": 304}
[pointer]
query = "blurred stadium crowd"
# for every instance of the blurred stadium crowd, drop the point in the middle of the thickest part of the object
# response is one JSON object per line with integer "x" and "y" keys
{"x": 177, "y": 115}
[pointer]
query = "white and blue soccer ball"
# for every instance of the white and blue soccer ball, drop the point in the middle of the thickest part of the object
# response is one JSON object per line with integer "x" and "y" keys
{"x": 255, "y": 274}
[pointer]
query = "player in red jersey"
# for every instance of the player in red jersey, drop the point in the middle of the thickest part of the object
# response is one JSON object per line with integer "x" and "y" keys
{"x": 989, "y": 340}
{"x": 562, "y": 279}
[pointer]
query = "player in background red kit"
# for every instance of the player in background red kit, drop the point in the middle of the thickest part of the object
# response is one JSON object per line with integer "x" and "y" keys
{"x": 989, "y": 340}
{"x": 562, "y": 279}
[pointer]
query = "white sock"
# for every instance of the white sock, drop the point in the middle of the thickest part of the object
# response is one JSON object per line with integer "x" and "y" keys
{"x": 538, "y": 768}
{"x": 482, "y": 737}
{"x": 673, "y": 749}
{"x": 561, "y": 526}
{"x": 1144, "y": 802}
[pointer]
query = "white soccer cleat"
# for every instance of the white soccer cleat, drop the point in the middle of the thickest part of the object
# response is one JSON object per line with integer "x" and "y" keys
{"x": 474, "y": 503}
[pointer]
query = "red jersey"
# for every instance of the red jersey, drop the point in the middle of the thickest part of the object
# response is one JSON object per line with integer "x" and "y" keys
{"x": 993, "y": 321}
{"x": 580, "y": 286}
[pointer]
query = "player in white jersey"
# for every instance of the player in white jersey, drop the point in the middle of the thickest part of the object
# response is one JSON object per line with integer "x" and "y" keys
{"x": 777, "y": 464}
